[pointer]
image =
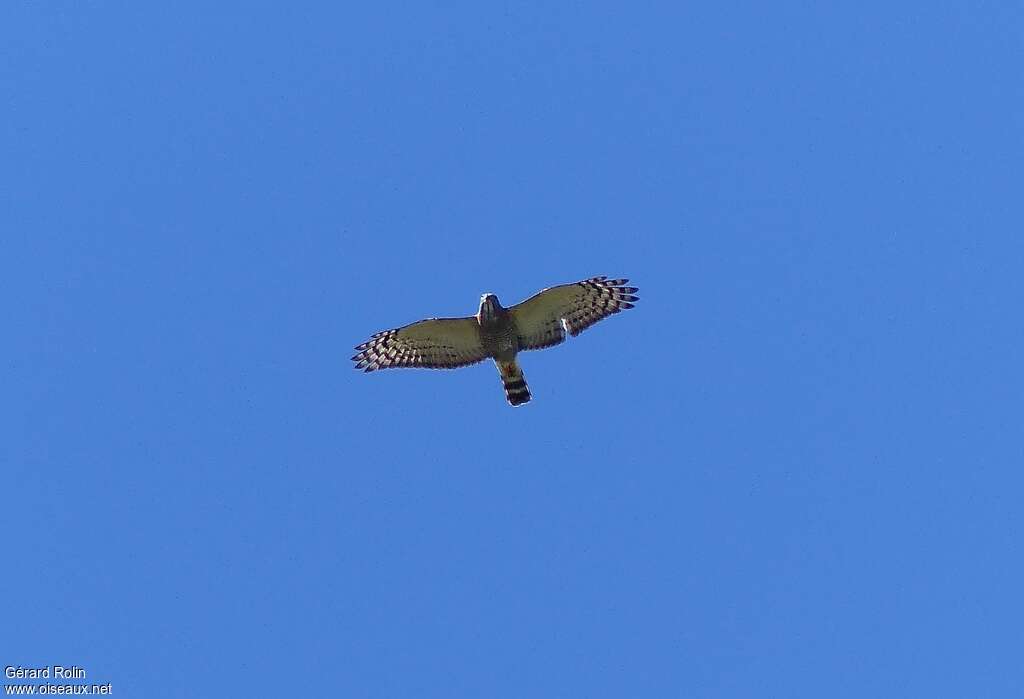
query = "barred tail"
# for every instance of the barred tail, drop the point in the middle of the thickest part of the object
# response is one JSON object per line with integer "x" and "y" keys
{"x": 515, "y": 383}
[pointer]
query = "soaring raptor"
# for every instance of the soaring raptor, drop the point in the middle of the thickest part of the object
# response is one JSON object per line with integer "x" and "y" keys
{"x": 499, "y": 333}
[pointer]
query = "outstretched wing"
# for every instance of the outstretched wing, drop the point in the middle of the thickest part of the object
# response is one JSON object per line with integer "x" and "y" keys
{"x": 543, "y": 318}
{"x": 435, "y": 343}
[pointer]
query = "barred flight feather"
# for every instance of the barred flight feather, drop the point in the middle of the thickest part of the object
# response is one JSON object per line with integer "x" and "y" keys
{"x": 543, "y": 319}
{"x": 435, "y": 343}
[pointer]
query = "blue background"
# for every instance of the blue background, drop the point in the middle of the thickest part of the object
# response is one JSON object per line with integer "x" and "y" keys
{"x": 793, "y": 470}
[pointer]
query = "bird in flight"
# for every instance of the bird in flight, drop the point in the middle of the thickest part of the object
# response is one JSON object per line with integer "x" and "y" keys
{"x": 498, "y": 333}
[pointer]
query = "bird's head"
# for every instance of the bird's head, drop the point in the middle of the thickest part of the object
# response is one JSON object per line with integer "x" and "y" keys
{"x": 489, "y": 307}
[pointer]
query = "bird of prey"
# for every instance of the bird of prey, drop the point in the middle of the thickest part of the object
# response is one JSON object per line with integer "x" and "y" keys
{"x": 498, "y": 333}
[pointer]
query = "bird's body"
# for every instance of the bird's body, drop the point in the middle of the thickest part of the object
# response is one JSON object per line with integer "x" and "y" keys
{"x": 498, "y": 333}
{"x": 500, "y": 339}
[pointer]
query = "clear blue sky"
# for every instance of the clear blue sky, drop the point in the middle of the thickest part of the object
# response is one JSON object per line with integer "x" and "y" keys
{"x": 794, "y": 470}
